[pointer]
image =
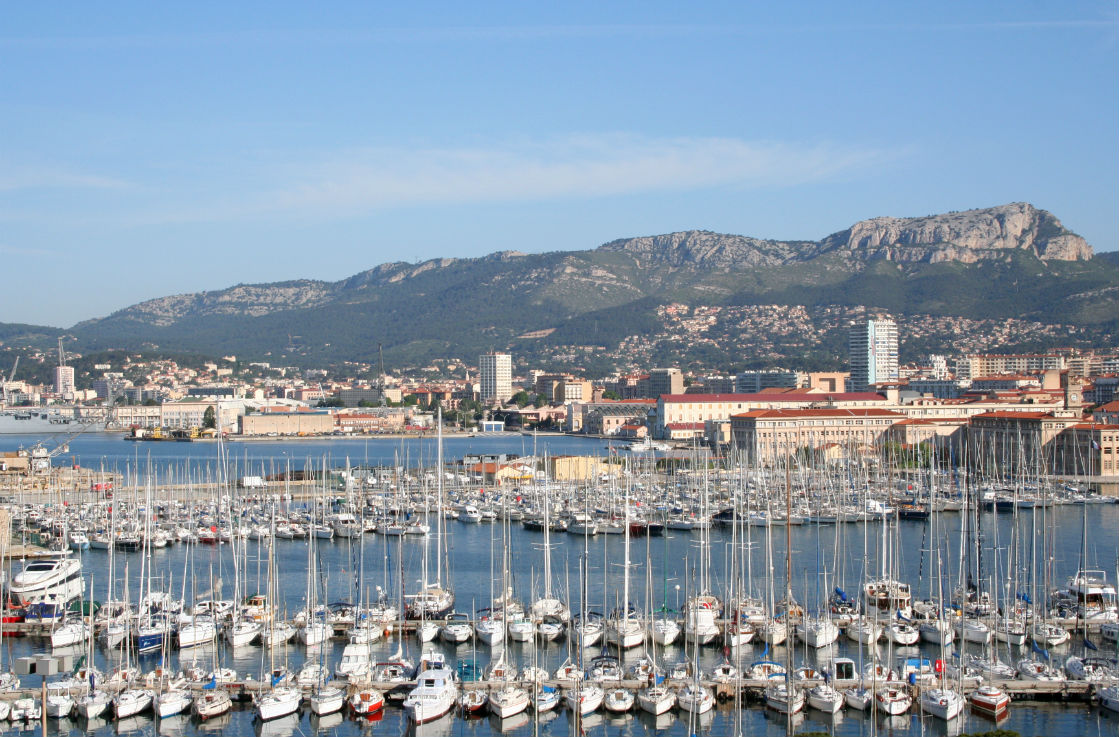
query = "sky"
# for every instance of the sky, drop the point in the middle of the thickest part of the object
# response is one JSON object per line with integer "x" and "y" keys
{"x": 149, "y": 149}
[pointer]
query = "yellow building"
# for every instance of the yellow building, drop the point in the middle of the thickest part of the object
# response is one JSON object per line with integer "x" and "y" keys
{"x": 287, "y": 423}
{"x": 581, "y": 468}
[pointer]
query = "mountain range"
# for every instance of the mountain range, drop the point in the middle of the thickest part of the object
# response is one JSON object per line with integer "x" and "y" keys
{"x": 651, "y": 296}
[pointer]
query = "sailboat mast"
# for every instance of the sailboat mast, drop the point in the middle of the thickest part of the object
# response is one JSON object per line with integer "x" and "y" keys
{"x": 625, "y": 576}
{"x": 439, "y": 495}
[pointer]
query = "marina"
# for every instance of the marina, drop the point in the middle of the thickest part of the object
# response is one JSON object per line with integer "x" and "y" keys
{"x": 333, "y": 590}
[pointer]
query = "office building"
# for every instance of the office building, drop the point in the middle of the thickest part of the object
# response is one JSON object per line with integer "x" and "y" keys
{"x": 665, "y": 381}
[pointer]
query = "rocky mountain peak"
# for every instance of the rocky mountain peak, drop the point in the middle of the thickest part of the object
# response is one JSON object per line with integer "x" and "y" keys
{"x": 968, "y": 236}
{"x": 703, "y": 248}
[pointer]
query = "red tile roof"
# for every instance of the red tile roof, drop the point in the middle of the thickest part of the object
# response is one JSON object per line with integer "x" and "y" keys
{"x": 778, "y": 396}
{"x": 793, "y": 414}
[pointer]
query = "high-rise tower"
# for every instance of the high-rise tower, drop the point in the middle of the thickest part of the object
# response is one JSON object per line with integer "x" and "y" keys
{"x": 495, "y": 374}
{"x": 874, "y": 353}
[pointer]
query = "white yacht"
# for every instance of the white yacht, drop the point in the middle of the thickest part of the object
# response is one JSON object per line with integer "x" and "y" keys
{"x": 280, "y": 701}
{"x": 434, "y": 695}
{"x": 59, "y": 579}
{"x": 1090, "y": 596}
{"x": 943, "y": 703}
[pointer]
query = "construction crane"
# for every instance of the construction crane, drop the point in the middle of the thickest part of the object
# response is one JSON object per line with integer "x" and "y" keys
{"x": 11, "y": 378}
{"x": 381, "y": 377}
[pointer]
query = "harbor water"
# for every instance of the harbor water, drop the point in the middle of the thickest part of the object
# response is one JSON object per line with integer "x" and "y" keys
{"x": 588, "y": 573}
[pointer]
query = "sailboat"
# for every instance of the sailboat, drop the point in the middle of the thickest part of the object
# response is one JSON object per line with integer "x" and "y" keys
{"x": 785, "y": 696}
{"x": 702, "y": 611}
{"x": 281, "y": 700}
{"x": 434, "y": 601}
{"x": 549, "y": 614}
{"x": 623, "y": 630}
{"x": 656, "y": 698}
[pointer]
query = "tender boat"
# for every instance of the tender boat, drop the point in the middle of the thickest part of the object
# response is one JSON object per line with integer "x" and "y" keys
{"x": 991, "y": 701}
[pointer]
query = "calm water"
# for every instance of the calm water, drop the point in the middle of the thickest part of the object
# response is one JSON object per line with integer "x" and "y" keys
{"x": 668, "y": 563}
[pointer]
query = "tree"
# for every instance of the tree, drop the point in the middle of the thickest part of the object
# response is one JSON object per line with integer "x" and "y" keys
{"x": 521, "y": 398}
{"x": 610, "y": 394}
{"x": 208, "y": 419}
{"x": 540, "y": 401}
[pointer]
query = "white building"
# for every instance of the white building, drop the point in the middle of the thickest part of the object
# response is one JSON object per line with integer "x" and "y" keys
{"x": 496, "y": 376}
{"x": 64, "y": 381}
{"x": 874, "y": 353}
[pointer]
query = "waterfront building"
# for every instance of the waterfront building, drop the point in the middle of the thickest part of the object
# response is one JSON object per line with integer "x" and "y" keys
{"x": 582, "y": 468}
{"x": 873, "y": 347}
{"x": 185, "y": 415}
{"x": 285, "y": 422}
{"x": 679, "y": 414}
{"x": 578, "y": 414}
{"x": 373, "y": 420}
{"x": 1087, "y": 449}
{"x": 766, "y": 435}
{"x": 1008, "y": 440}
{"x": 609, "y": 419}
{"x": 137, "y": 415}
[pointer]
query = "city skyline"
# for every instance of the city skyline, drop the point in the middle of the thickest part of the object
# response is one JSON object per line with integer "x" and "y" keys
{"x": 180, "y": 151}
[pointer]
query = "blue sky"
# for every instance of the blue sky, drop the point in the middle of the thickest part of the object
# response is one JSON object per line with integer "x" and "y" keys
{"x": 150, "y": 149}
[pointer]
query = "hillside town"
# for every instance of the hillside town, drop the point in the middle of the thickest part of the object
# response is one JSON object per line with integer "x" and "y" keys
{"x": 1061, "y": 405}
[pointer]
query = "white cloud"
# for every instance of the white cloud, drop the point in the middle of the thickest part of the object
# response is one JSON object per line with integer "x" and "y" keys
{"x": 18, "y": 177}
{"x": 574, "y": 167}
{"x": 6, "y": 250}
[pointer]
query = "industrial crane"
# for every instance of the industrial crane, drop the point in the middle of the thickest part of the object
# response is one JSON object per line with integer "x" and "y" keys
{"x": 11, "y": 378}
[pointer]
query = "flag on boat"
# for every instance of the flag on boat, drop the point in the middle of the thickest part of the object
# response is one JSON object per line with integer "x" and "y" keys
{"x": 213, "y": 682}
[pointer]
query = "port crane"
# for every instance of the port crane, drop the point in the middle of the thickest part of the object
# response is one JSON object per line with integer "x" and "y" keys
{"x": 11, "y": 378}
